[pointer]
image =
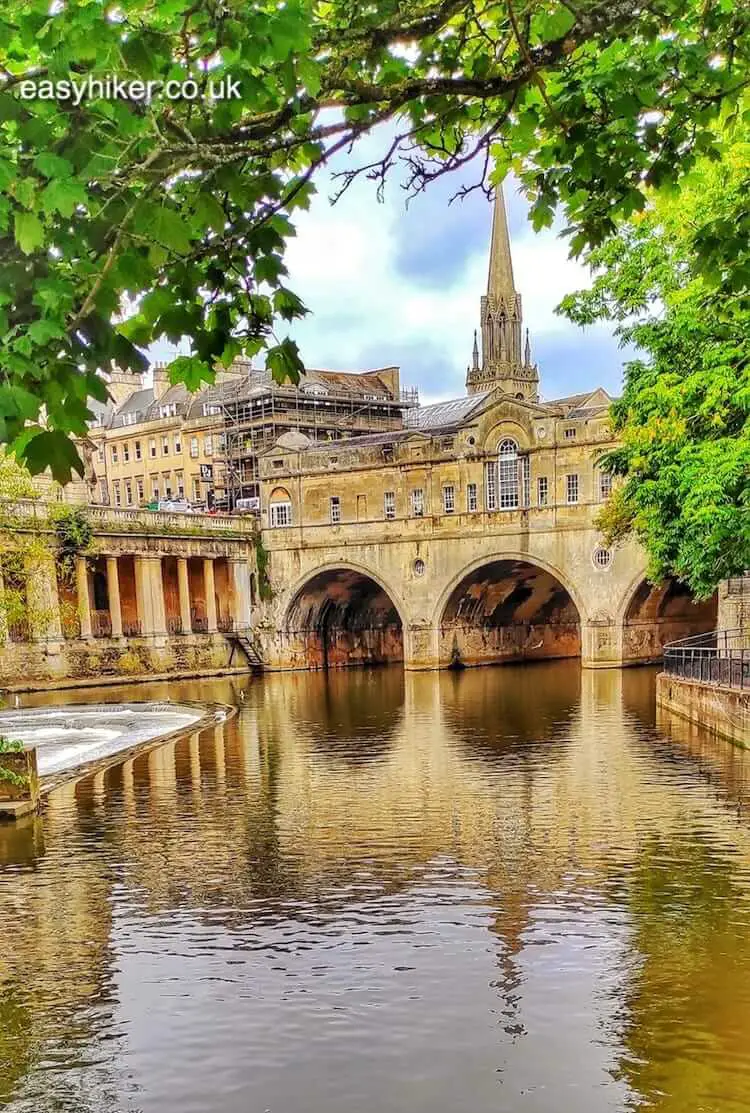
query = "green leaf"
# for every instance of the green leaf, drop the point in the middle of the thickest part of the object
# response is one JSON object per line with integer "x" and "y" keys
{"x": 192, "y": 371}
{"x": 54, "y": 450}
{"x": 29, "y": 232}
{"x": 209, "y": 213}
{"x": 284, "y": 362}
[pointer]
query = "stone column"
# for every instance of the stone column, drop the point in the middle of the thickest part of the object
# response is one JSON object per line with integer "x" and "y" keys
{"x": 241, "y": 604}
{"x": 3, "y": 615}
{"x": 43, "y": 601}
{"x": 82, "y": 592}
{"x": 210, "y": 590}
{"x": 157, "y": 596}
{"x": 150, "y": 595}
{"x": 113, "y": 591}
{"x": 183, "y": 584}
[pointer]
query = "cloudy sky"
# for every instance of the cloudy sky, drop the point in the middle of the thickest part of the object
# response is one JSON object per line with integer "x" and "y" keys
{"x": 390, "y": 284}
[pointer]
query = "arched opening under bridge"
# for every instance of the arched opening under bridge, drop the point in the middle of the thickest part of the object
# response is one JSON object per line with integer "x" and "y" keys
{"x": 662, "y": 613}
{"x": 342, "y": 618}
{"x": 508, "y": 610}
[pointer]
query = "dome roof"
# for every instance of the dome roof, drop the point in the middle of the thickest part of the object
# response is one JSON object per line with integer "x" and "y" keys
{"x": 293, "y": 440}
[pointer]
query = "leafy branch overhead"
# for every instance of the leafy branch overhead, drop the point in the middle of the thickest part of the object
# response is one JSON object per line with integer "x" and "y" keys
{"x": 124, "y": 221}
{"x": 684, "y": 417}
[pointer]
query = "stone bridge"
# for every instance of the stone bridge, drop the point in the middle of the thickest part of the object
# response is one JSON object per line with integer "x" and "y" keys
{"x": 466, "y": 590}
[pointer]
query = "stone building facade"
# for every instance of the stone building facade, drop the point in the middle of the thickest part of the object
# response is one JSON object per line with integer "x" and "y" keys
{"x": 153, "y": 594}
{"x": 161, "y": 443}
{"x": 469, "y": 535}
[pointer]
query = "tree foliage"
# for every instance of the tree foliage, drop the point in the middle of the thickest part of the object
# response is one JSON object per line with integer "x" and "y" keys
{"x": 684, "y": 416}
{"x": 124, "y": 221}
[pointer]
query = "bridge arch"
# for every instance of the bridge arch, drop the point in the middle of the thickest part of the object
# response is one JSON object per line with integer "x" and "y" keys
{"x": 343, "y": 614}
{"x": 653, "y": 614}
{"x": 507, "y": 607}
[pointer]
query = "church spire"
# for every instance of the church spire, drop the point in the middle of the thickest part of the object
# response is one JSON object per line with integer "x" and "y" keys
{"x": 506, "y": 361}
{"x": 500, "y": 285}
{"x": 475, "y": 354}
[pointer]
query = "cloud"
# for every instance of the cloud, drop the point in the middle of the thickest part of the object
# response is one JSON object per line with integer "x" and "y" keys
{"x": 388, "y": 283}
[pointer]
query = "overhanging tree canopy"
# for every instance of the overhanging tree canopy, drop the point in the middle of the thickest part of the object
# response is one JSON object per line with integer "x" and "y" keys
{"x": 123, "y": 221}
{"x": 684, "y": 416}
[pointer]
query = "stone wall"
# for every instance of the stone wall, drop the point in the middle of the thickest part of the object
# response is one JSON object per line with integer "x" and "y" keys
{"x": 721, "y": 711}
{"x": 31, "y": 664}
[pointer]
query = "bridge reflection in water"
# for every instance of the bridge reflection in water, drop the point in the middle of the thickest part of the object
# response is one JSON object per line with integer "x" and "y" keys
{"x": 494, "y": 889}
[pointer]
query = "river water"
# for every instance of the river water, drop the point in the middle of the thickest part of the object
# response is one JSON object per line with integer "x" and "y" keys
{"x": 501, "y": 890}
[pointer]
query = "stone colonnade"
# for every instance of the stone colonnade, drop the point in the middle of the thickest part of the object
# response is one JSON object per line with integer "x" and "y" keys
{"x": 148, "y": 595}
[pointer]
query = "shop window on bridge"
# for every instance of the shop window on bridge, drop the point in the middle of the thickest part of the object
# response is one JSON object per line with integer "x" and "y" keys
{"x": 389, "y": 505}
{"x": 471, "y": 497}
{"x": 507, "y": 481}
{"x": 335, "y": 507}
{"x": 417, "y": 502}
{"x": 605, "y": 485}
{"x": 449, "y": 499}
{"x": 280, "y": 508}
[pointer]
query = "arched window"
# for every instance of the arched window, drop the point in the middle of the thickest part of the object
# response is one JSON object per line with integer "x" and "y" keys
{"x": 507, "y": 479}
{"x": 279, "y": 508}
{"x": 507, "y": 467}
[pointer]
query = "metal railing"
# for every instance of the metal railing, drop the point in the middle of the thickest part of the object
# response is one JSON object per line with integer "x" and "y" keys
{"x": 174, "y": 624}
{"x": 718, "y": 657}
{"x": 132, "y": 628}
{"x": 225, "y": 624}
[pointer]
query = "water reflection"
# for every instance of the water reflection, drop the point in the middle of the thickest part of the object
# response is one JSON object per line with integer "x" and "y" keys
{"x": 503, "y": 889}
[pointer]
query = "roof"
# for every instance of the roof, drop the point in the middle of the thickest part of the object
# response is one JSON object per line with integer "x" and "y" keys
{"x": 445, "y": 414}
{"x": 136, "y": 403}
{"x": 583, "y": 405}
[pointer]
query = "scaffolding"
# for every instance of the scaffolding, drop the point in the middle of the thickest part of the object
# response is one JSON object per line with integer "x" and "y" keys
{"x": 254, "y": 412}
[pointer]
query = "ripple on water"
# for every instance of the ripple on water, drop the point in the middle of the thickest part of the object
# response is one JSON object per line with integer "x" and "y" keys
{"x": 503, "y": 890}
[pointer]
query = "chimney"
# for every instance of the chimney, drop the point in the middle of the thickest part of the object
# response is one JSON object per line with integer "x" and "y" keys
{"x": 161, "y": 380}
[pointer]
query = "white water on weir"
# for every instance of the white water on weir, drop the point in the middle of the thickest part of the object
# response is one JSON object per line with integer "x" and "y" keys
{"x": 67, "y": 737}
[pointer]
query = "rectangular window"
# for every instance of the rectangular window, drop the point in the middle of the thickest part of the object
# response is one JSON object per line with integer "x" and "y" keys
{"x": 155, "y": 491}
{"x": 194, "y": 448}
{"x": 508, "y": 473}
{"x": 152, "y": 447}
{"x": 389, "y": 505}
{"x": 125, "y": 453}
{"x": 525, "y": 481}
{"x": 128, "y": 493}
{"x": 165, "y": 446}
{"x": 449, "y": 498}
{"x": 221, "y": 442}
{"x": 281, "y": 514}
{"x": 177, "y": 444}
{"x": 137, "y": 450}
{"x": 335, "y": 509}
{"x": 417, "y": 502}
{"x": 116, "y": 489}
{"x": 168, "y": 410}
{"x": 196, "y": 490}
{"x": 139, "y": 488}
{"x": 180, "y": 484}
{"x": 542, "y": 490}
{"x": 605, "y": 485}
{"x": 168, "y": 490}
{"x": 471, "y": 497}
{"x": 114, "y": 453}
{"x": 208, "y": 446}
{"x": 490, "y": 485}
{"x": 570, "y": 434}
{"x": 571, "y": 488}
